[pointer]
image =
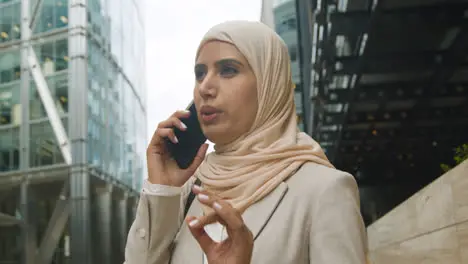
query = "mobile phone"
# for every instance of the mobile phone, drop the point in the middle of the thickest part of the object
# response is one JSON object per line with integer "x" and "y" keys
{"x": 190, "y": 140}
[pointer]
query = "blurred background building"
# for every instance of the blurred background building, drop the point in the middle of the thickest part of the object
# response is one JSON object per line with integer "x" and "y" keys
{"x": 383, "y": 87}
{"x": 282, "y": 16}
{"x": 72, "y": 128}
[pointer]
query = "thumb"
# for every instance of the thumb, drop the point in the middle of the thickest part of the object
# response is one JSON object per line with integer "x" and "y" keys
{"x": 198, "y": 159}
{"x": 198, "y": 232}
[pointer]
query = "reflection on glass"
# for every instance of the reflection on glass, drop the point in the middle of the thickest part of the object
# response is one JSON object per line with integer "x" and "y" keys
{"x": 300, "y": 122}
{"x": 9, "y": 149}
{"x": 53, "y": 15}
{"x": 58, "y": 85}
{"x": 289, "y": 24}
{"x": 10, "y": 66}
{"x": 116, "y": 125}
{"x": 10, "y": 21}
{"x": 53, "y": 56}
{"x": 298, "y": 102}
{"x": 44, "y": 149}
{"x": 10, "y": 109}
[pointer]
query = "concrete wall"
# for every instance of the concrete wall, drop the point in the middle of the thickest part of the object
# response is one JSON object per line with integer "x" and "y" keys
{"x": 430, "y": 227}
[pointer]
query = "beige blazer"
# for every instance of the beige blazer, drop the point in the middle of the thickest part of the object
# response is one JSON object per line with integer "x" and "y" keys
{"x": 313, "y": 217}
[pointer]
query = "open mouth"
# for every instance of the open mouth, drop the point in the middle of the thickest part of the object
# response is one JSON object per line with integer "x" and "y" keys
{"x": 209, "y": 114}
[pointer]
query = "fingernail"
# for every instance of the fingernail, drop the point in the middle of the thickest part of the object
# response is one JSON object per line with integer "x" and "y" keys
{"x": 217, "y": 206}
{"x": 176, "y": 139}
{"x": 183, "y": 125}
{"x": 203, "y": 197}
{"x": 193, "y": 223}
{"x": 198, "y": 187}
{"x": 186, "y": 111}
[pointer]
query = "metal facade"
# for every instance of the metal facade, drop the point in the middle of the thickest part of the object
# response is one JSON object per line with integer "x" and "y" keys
{"x": 389, "y": 91}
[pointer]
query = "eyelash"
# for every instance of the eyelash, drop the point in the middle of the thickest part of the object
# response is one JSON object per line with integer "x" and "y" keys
{"x": 224, "y": 71}
{"x": 232, "y": 69}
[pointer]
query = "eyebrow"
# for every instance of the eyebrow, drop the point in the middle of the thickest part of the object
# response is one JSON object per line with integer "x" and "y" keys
{"x": 225, "y": 61}
{"x": 222, "y": 62}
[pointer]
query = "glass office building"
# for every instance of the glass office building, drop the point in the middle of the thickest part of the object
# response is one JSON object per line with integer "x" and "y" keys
{"x": 91, "y": 54}
{"x": 281, "y": 15}
{"x": 116, "y": 88}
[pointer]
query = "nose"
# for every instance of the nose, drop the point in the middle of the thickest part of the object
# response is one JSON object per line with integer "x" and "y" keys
{"x": 208, "y": 88}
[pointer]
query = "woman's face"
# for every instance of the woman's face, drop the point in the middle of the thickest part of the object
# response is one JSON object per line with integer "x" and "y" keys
{"x": 225, "y": 93}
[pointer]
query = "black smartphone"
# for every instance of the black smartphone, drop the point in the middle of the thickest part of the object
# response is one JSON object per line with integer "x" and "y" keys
{"x": 190, "y": 140}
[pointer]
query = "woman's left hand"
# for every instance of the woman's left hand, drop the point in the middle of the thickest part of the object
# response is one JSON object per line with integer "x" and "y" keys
{"x": 238, "y": 247}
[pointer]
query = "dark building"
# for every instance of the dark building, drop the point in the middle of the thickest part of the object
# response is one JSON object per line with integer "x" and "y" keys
{"x": 387, "y": 89}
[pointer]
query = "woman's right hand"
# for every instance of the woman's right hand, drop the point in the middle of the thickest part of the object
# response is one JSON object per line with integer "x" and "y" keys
{"x": 162, "y": 169}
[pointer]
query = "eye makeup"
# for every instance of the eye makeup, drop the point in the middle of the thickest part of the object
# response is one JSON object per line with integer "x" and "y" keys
{"x": 225, "y": 67}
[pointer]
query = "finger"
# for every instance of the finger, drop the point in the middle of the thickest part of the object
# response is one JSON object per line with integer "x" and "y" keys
{"x": 198, "y": 159}
{"x": 173, "y": 122}
{"x": 224, "y": 212}
{"x": 199, "y": 233}
{"x": 181, "y": 114}
{"x": 210, "y": 217}
{"x": 167, "y": 133}
{"x": 207, "y": 219}
{"x": 227, "y": 213}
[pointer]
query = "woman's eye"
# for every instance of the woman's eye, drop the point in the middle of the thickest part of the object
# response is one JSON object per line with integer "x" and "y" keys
{"x": 199, "y": 74}
{"x": 228, "y": 71}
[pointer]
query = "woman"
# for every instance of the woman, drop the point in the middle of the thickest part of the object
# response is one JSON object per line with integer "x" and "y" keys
{"x": 268, "y": 193}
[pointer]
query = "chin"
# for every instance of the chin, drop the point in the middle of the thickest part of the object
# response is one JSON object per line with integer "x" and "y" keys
{"x": 218, "y": 134}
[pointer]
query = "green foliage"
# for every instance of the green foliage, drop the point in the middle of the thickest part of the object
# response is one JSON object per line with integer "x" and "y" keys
{"x": 445, "y": 167}
{"x": 461, "y": 154}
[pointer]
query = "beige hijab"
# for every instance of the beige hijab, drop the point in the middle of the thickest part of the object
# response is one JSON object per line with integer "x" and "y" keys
{"x": 248, "y": 169}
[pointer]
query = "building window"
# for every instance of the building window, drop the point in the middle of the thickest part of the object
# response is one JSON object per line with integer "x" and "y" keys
{"x": 44, "y": 149}
{"x": 298, "y": 102}
{"x": 10, "y": 109}
{"x": 53, "y": 56}
{"x": 10, "y": 66}
{"x": 9, "y": 149}
{"x": 61, "y": 54}
{"x": 293, "y": 53}
{"x": 289, "y": 24}
{"x": 300, "y": 122}
{"x": 10, "y": 21}
{"x": 58, "y": 85}
{"x": 53, "y": 15}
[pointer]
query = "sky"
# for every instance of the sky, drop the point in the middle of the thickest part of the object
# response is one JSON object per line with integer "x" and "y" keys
{"x": 174, "y": 29}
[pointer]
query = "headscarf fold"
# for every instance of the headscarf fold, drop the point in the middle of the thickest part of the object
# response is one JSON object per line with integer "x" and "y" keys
{"x": 249, "y": 168}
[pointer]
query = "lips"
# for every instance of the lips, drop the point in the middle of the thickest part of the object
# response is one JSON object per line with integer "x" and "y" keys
{"x": 209, "y": 114}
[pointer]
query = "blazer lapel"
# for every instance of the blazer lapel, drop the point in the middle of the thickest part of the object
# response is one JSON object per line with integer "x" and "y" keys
{"x": 257, "y": 215}
{"x": 194, "y": 250}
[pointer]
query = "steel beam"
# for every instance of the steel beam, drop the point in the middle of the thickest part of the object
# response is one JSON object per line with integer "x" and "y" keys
{"x": 30, "y": 64}
{"x": 389, "y": 63}
{"x": 8, "y": 220}
{"x": 123, "y": 221}
{"x": 28, "y": 227}
{"x": 50, "y": 107}
{"x": 305, "y": 22}
{"x": 80, "y": 218}
{"x": 41, "y": 83}
{"x": 103, "y": 209}
{"x": 25, "y": 86}
{"x": 55, "y": 228}
{"x": 34, "y": 17}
